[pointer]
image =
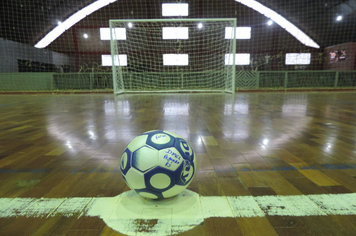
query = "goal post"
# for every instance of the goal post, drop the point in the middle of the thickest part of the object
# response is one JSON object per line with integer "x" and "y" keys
{"x": 173, "y": 55}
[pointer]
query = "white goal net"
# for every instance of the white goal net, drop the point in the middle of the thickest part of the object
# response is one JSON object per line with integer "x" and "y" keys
{"x": 173, "y": 55}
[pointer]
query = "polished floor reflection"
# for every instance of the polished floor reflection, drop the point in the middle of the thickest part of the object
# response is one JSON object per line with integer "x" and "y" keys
{"x": 247, "y": 144}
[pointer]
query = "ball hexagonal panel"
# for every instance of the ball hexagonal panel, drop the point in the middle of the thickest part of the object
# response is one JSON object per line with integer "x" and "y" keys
{"x": 137, "y": 142}
{"x": 170, "y": 158}
{"x": 135, "y": 179}
{"x": 155, "y": 181}
{"x": 145, "y": 158}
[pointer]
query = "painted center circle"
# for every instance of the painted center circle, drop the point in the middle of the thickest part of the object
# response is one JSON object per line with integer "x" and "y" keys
{"x": 161, "y": 138}
{"x": 160, "y": 181}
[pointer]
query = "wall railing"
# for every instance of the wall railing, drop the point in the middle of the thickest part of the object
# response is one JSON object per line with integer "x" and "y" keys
{"x": 245, "y": 80}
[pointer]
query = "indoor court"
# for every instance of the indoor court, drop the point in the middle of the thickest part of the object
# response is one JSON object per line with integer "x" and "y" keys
{"x": 247, "y": 144}
{"x": 263, "y": 91}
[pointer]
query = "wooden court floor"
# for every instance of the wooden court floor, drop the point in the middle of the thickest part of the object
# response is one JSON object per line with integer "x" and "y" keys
{"x": 247, "y": 144}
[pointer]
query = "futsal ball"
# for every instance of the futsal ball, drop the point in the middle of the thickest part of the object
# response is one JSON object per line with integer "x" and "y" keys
{"x": 158, "y": 164}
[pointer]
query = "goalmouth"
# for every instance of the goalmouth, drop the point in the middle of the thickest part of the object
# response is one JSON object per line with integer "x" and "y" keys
{"x": 173, "y": 55}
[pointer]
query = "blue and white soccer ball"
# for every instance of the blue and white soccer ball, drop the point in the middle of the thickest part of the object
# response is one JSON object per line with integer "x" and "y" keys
{"x": 158, "y": 164}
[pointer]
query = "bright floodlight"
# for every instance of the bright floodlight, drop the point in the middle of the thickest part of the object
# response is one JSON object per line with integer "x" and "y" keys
{"x": 241, "y": 32}
{"x": 119, "y": 60}
{"x": 270, "y": 22}
{"x": 175, "y": 59}
{"x": 175, "y": 32}
{"x": 339, "y": 18}
{"x": 298, "y": 58}
{"x": 118, "y": 33}
{"x": 85, "y": 36}
{"x": 240, "y": 59}
{"x": 130, "y": 25}
{"x": 200, "y": 25}
{"x": 59, "y": 22}
{"x": 175, "y": 9}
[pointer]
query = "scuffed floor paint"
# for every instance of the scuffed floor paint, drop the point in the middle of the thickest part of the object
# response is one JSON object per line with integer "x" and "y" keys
{"x": 131, "y": 214}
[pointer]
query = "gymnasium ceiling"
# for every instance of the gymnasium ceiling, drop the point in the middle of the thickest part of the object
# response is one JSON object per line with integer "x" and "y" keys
{"x": 27, "y": 21}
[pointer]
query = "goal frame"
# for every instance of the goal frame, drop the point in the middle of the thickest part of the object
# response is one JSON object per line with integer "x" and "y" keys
{"x": 200, "y": 20}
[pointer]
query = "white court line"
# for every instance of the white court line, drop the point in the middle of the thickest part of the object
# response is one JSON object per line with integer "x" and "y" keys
{"x": 128, "y": 213}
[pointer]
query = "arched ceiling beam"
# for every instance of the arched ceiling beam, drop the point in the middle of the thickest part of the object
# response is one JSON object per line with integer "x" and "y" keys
{"x": 81, "y": 14}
